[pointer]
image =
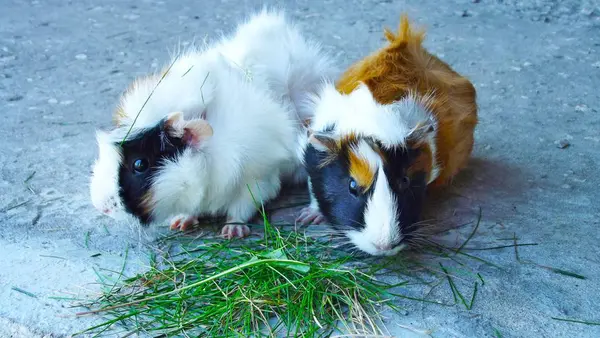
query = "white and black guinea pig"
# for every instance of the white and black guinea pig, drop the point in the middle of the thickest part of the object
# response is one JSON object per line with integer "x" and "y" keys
{"x": 396, "y": 123}
{"x": 192, "y": 140}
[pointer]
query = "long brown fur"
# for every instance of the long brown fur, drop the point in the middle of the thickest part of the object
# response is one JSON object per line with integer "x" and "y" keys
{"x": 405, "y": 66}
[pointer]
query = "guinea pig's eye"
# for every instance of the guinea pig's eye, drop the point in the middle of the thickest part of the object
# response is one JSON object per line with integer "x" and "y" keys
{"x": 140, "y": 165}
{"x": 405, "y": 182}
{"x": 353, "y": 187}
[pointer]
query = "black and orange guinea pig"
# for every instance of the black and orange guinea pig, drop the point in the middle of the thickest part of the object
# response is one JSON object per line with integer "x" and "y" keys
{"x": 396, "y": 123}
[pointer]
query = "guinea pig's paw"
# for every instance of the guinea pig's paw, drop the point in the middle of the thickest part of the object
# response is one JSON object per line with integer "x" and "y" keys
{"x": 109, "y": 206}
{"x": 310, "y": 215}
{"x": 183, "y": 222}
{"x": 230, "y": 231}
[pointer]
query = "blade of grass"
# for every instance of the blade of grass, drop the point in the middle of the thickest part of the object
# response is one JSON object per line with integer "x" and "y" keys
{"x": 555, "y": 270}
{"x": 29, "y": 177}
{"x": 456, "y": 292}
{"x": 472, "y": 233}
{"x": 25, "y": 292}
{"x": 51, "y": 256}
{"x": 87, "y": 239}
{"x": 147, "y": 99}
{"x": 500, "y": 247}
{"x": 577, "y": 321}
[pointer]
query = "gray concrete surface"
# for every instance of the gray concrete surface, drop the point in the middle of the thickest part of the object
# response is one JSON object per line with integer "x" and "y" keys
{"x": 536, "y": 65}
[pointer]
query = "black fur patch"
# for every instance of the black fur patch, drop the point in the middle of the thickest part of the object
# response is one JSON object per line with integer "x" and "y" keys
{"x": 153, "y": 145}
{"x": 410, "y": 197}
{"x": 330, "y": 185}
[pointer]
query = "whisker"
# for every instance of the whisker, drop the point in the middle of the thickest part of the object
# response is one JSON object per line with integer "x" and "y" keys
{"x": 353, "y": 221}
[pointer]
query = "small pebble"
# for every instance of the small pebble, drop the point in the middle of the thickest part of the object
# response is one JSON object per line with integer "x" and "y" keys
{"x": 52, "y": 101}
{"x": 487, "y": 147}
{"x": 596, "y": 64}
{"x": 15, "y": 98}
{"x": 581, "y": 108}
{"x": 562, "y": 144}
{"x": 81, "y": 56}
{"x": 465, "y": 14}
{"x": 566, "y": 186}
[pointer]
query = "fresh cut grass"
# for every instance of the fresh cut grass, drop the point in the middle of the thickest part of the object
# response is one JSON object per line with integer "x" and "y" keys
{"x": 288, "y": 283}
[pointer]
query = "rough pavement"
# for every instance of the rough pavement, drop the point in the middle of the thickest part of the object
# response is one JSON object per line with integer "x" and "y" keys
{"x": 535, "y": 64}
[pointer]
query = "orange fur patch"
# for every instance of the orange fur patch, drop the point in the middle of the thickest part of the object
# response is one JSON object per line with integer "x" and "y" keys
{"x": 361, "y": 170}
{"x": 405, "y": 66}
{"x": 334, "y": 151}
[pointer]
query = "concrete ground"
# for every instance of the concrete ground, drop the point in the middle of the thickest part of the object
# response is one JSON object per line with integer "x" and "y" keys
{"x": 535, "y": 64}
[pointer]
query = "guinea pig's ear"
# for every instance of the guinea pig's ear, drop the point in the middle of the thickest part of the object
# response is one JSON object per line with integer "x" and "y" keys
{"x": 195, "y": 132}
{"x": 420, "y": 133}
{"x": 192, "y": 132}
{"x": 174, "y": 124}
{"x": 322, "y": 142}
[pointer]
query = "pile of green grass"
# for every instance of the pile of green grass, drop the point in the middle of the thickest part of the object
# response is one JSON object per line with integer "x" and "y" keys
{"x": 287, "y": 284}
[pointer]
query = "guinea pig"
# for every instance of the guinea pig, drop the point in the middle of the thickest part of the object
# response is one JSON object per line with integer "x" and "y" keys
{"x": 397, "y": 122}
{"x": 214, "y": 133}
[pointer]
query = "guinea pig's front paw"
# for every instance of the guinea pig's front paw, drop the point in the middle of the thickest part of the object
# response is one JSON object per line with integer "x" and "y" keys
{"x": 183, "y": 222}
{"x": 310, "y": 215}
{"x": 230, "y": 231}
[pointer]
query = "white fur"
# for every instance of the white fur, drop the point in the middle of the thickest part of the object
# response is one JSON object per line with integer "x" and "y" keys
{"x": 251, "y": 88}
{"x": 392, "y": 124}
{"x": 359, "y": 112}
{"x": 382, "y": 230}
{"x": 103, "y": 186}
